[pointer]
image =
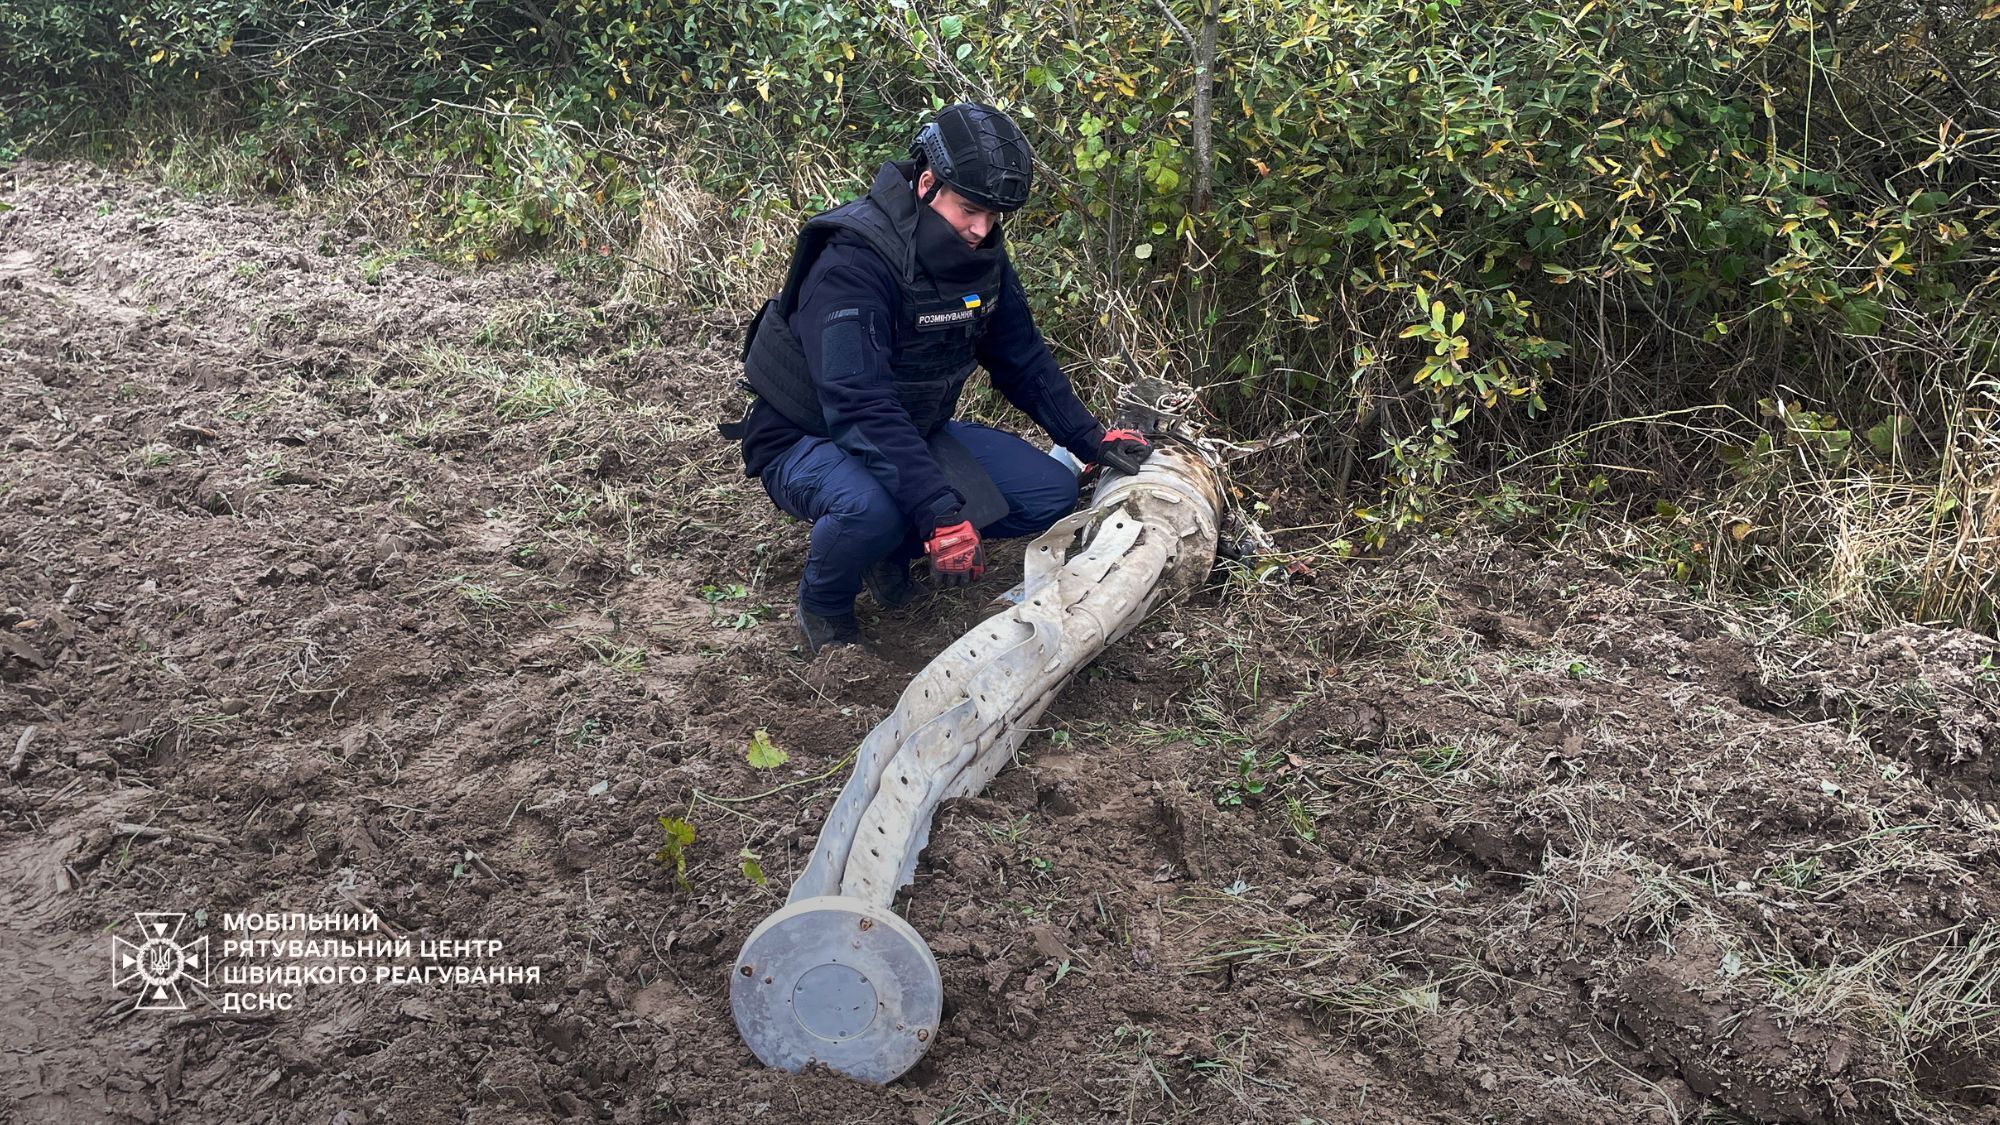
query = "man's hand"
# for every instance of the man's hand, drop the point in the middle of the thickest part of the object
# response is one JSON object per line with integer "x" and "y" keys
{"x": 1123, "y": 451}
{"x": 957, "y": 557}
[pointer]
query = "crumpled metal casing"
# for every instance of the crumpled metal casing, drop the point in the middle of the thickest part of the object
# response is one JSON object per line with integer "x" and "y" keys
{"x": 800, "y": 994}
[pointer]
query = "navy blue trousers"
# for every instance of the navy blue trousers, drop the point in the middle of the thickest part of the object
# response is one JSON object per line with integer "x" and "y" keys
{"x": 855, "y": 523}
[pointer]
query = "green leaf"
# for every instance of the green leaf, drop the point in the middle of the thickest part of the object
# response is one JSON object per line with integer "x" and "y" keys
{"x": 1883, "y": 435}
{"x": 1863, "y": 316}
{"x": 762, "y": 754}
{"x": 951, "y": 27}
{"x": 752, "y": 870}
{"x": 1143, "y": 251}
{"x": 679, "y": 832}
{"x": 673, "y": 854}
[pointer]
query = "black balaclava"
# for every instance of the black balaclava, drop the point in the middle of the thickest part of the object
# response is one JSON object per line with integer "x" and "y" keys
{"x": 946, "y": 257}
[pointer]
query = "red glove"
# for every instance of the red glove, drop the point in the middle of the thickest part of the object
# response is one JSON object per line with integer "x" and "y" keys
{"x": 957, "y": 556}
{"x": 1123, "y": 451}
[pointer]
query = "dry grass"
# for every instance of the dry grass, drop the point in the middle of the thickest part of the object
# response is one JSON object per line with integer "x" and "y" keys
{"x": 1938, "y": 1004}
{"x": 1961, "y": 562}
{"x": 692, "y": 251}
{"x": 1235, "y": 931}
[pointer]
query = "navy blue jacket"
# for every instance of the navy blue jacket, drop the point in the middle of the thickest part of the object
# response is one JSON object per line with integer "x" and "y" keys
{"x": 862, "y": 411}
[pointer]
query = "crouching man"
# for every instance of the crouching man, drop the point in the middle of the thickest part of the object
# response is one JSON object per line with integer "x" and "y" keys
{"x": 858, "y": 363}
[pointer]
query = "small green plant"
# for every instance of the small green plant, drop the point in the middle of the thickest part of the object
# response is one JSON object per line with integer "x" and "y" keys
{"x": 1301, "y": 819}
{"x": 673, "y": 854}
{"x": 1009, "y": 832}
{"x": 733, "y": 617}
{"x": 1439, "y": 759}
{"x": 1796, "y": 874}
{"x": 1249, "y": 782}
{"x": 750, "y": 865}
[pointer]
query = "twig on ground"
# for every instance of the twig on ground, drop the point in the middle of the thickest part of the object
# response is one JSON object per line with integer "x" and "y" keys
{"x": 155, "y": 832}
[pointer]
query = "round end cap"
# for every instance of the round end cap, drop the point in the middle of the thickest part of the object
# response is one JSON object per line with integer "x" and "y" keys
{"x": 834, "y": 980}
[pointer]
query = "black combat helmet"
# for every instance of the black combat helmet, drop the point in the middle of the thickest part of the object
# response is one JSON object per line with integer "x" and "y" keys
{"x": 979, "y": 153}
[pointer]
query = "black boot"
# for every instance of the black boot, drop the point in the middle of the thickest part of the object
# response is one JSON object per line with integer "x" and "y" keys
{"x": 823, "y": 632}
{"x": 890, "y": 584}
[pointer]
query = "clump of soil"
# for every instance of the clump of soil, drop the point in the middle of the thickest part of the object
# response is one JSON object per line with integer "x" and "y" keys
{"x": 332, "y": 581}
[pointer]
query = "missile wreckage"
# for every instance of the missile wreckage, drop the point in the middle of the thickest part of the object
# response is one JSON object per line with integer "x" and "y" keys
{"x": 836, "y": 976}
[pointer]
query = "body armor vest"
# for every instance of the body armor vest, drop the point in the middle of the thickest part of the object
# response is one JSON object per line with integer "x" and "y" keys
{"x": 935, "y": 342}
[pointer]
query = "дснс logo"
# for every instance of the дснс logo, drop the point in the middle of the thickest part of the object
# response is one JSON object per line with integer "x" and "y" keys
{"x": 159, "y": 963}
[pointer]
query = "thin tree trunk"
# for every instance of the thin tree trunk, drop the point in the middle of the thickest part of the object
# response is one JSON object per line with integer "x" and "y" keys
{"x": 1204, "y": 108}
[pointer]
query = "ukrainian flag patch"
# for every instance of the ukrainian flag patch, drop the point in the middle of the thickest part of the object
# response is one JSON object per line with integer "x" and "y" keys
{"x": 971, "y": 300}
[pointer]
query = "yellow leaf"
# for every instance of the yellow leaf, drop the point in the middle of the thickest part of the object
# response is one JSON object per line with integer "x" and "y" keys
{"x": 158, "y": 55}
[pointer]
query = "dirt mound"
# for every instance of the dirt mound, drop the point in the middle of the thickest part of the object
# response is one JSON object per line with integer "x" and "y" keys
{"x": 336, "y": 582}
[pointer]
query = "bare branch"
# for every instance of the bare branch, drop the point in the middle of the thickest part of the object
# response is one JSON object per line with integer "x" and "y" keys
{"x": 1186, "y": 35}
